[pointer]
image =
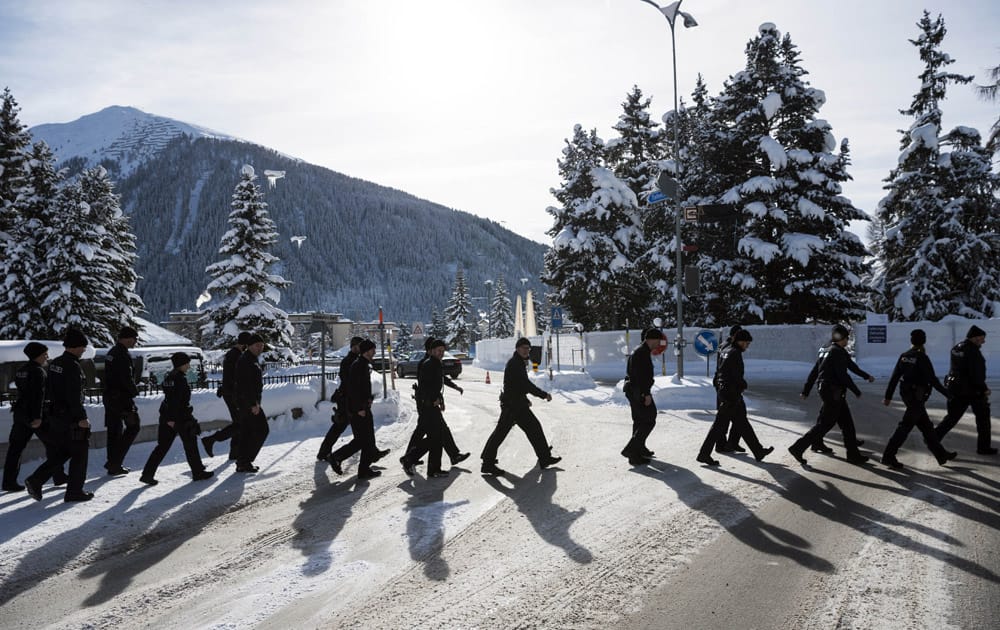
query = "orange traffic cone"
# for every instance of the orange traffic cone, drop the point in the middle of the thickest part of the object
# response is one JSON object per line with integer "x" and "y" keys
{"x": 487, "y": 378}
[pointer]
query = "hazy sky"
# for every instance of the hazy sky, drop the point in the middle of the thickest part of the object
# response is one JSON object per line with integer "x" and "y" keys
{"x": 468, "y": 102}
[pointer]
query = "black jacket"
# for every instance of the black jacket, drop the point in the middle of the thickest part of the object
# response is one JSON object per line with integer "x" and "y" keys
{"x": 831, "y": 367}
{"x": 915, "y": 370}
{"x": 430, "y": 381}
{"x": 517, "y": 385}
{"x": 119, "y": 377}
{"x": 229, "y": 362}
{"x": 249, "y": 381}
{"x": 640, "y": 372}
{"x": 64, "y": 388}
{"x": 176, "y": 405}
{"x": 359, "y": 386}
{"x": 30, "y": 403}
{"x": 967, "y": 376}
{"x": 729, "y": 377}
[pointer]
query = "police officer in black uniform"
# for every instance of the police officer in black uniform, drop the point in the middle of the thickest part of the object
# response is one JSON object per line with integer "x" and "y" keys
{"x": 846, "y": 421}
{"x": 28, "y": 414}
{"x": 428, "y": 437}
{"x": 339, "y": 421}
{"x": 176, "y": 418}
{"x": 69, "y": 429}
{"x": 730, "y": 384}
{"x": 638, "y": 390}
{"x": 358, "y": 398}
{"x": 121, "y": 416}
{"x": 966, "y": 383}
{"x": 515, "y": 409}
{"x": 228, "y": 394}
{"x": 915, "y": 375}
{"x": 834, "y": 381}
{"x": 732, "y": 443}
{"x": 249, "y": 389}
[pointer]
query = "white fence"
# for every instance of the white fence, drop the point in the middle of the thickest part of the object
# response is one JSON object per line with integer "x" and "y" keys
{"x": 603, "y": 354}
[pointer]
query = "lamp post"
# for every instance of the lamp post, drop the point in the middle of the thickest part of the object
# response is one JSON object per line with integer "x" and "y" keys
{"x": 671, "y": 12}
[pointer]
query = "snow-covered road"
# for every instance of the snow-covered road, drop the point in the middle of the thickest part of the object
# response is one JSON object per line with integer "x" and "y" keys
{"x": 590, "y": 543}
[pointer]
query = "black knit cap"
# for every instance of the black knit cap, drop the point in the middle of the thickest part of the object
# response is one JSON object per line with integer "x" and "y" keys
{"x": 975, "y": 331}
{"x": 127, "y": 332}
{"x": 918, "y": 337}
{"x": 75, "y": 339}
{"x": 244, "y": 338}
{"x": 652, "y": 333}
{"x": 839, "y": 332}
{"x": 742, "y": 335}
{"x": 34, "y": 350}
{"x": 522, "y": 341}
{"x": 255, "y": 338}
{"x": 355, "y": 341}
{"x": 437, "y": 343}
{"x": 180, "y": 358}
{"x": 735, "y": 329}
{"x": 366, "y": 345}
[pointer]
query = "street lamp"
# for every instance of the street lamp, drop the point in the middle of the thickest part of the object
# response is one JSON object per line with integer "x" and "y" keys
{"x": 671, "y": 12}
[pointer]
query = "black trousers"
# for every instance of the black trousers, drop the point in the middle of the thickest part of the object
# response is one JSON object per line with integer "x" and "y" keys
{"x": 643, "y": 422}
{"x": 957, "y": 407}
{"x": 833, "y": 412}
{"x": 20, "y": 435}
{"x": 914, "y": 416}
{"x": 230, "y": 431}
{"x": 253, "y": 434}
{"x": 428, "y": 438}
{"x": 363, "y": 428}
{"x": 526, "y": 420}
{"x": 734, "y": 436}
{"x": 122, "y": 427}
{"x": 164, "y": 440}
{"x": 65, "y": 444}
{"x": 731, "y": 412}
{"x": 339, "y": 423}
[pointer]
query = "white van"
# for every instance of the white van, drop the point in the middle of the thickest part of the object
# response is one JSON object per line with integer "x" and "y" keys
{"x": 151, "y": 363}
{"x": 12, "y": 355}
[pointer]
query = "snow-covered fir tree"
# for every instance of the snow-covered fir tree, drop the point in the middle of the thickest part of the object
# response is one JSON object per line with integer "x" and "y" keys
{"x": 439, "y": 326}
{"x": 21, "y": 315}
{"x": 501, "y": 311}
{"x": 404, "y": 342}
{"x": 795, "y": 259}
{"x": 927, "y": 232}
{"x": 457, "y": 315}
{"x": 244, "y": 293}
{"x": 596, "y": 237}
{"x": 73, "y": 287}
{"x": 991, "y": 92}
{"x": 15, "y": 148}
{"x": 117, "y": 245}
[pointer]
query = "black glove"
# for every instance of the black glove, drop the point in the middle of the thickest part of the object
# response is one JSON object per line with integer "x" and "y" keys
{"x": 218, "y": 392}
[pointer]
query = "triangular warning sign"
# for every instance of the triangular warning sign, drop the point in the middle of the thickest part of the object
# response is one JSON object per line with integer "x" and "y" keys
{"x": 417, "y": 330}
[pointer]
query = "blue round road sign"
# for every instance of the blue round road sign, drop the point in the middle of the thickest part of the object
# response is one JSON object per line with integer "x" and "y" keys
{"x": 706, "y": 343}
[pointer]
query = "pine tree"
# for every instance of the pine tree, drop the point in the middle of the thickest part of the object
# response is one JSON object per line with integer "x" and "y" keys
{"x": 404, "y": 342}
{"x": 15, "y": 147}
{"x": 457, "y": 315}
{"x": 795, "y": 262}
{"x": 991, "y": 92}
{"x": 21, "y": 315}
{"x": 73, "y": 287}
{"x": 596, "y": 238}
{"x": 245, "y": 294}
{"x": 117, "y": 246}
{"x": 439, "y": 327}
{"x": 915, "y": 277}
{"x": 501, "y": 311}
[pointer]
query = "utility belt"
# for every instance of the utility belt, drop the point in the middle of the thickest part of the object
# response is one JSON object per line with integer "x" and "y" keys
{"x": 914, "y": 393}
{"x": 833, "y": 391}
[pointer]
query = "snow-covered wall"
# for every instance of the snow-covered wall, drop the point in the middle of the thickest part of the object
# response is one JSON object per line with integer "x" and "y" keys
{"x": 605, "y": 352}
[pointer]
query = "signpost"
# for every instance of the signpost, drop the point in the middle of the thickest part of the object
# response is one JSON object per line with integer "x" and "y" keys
{"x": 320, "y": 327}
{"x": 556, "y": 322}
{"x": 706, "y": 344}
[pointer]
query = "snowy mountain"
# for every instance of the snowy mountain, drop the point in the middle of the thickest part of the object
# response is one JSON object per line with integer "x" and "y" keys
{"x": 123, "y": 135}
{"x": 347, "y": 245}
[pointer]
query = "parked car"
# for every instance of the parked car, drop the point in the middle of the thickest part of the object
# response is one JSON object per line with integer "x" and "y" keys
{"x": 152, "y": 363}
{"x": 452, "y": 366}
